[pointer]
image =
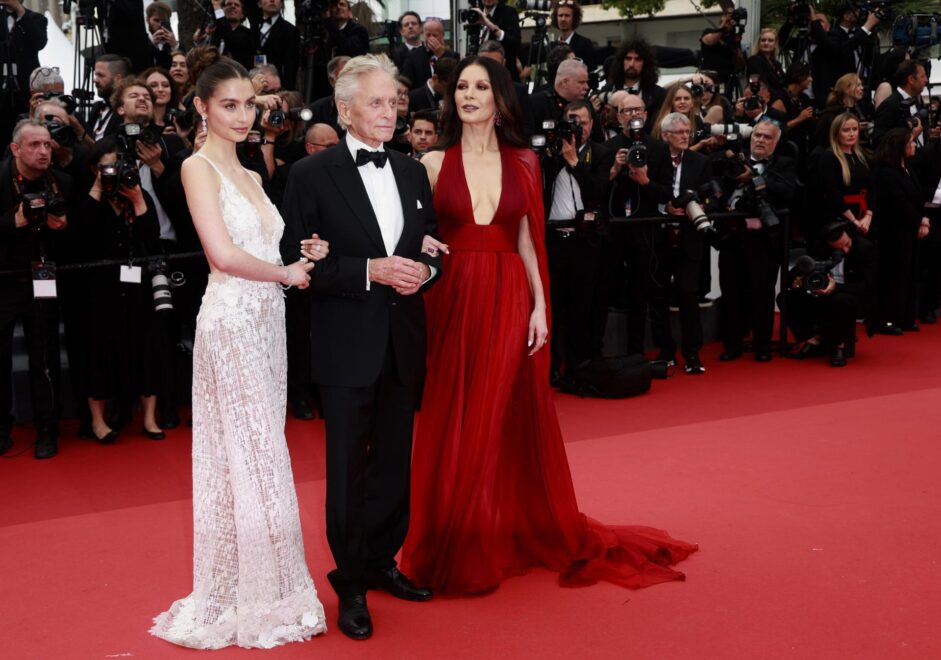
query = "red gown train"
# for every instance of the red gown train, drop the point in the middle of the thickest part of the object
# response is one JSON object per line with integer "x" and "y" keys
{"x": 491, "y": 490}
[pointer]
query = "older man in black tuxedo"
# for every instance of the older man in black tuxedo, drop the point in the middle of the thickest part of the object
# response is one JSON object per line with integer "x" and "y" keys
{"x": 367, "y": 329}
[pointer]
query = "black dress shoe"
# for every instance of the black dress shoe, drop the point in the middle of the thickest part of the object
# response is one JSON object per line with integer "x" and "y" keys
{"x": 302, "y": 410}
{"x": 169, "y": 419}
{"x": 694, "y": 365}
{"x": 109, "y": 439}
{"x": 118, "y": 421}
{"x": 729, "y": 356}
{"x": 889, "y": 329}
{"x": 397, "y": 583}
{"x": 837, "y": 357}
{"x": 354, "y": 620}
{"x": 47, "y": 446}
{"x": 762, "y": 356}
{"x": 6, "y": 442}
{"x": 155, "y": 435}
{"x": 669, "y": 358}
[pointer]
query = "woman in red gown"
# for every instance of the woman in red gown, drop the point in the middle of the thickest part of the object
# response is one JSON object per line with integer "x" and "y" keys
{"x": 491, "y": 490}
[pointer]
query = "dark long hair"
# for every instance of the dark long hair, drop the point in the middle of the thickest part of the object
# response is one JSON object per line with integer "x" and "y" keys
{"x": 648, "y": 75}
{"x": 174, "y": 101}
{"x": 891, "y": 149}
{"x": 504, "y": 95}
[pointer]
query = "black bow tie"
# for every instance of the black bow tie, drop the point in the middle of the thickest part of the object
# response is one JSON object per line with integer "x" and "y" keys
{"x": 364, "y": 156}
{"x": 759, "y": 161}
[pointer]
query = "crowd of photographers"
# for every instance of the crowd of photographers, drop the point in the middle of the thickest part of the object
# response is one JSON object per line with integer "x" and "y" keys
{"x": 760, "y": 162}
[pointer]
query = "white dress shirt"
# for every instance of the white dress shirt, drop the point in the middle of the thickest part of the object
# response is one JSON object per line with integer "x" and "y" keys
{"x": 383, "y": 196}
{"x": 567, "y": 194}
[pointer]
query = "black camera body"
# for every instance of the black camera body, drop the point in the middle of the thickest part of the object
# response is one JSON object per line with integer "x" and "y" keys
{"x": 470, "y": 17}
{"x": 38, "y": 206}
{"x": 754, "y": 200}
{"x": 185, "y": 118}
{"x": 61, "y": 133}
{"x": 122, "y": 172}
{"x": 752, "y": 103}
{"x": 799, "y": 13}
{"x": 881, "y": 8}
{"x": 637, "y": 151}
{"x": 816, "y": 272}
{"x": 70, "y": 102}
{"x": 131, "y": 134}
{"x": 549, "y": 142}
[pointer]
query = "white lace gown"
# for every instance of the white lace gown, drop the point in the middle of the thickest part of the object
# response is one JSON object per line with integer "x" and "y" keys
{"x": 251, "y": 586}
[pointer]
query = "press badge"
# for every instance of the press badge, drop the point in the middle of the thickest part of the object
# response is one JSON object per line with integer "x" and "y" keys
{"x": 130, "y": 274}
{"x": 44, "y": 279}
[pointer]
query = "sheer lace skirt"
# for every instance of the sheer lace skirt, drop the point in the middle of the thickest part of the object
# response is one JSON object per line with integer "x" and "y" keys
{"x": 251, "y": 586}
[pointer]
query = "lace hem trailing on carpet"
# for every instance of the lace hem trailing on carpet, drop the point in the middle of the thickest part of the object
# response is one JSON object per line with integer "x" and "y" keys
{"x": 295, "y": 618}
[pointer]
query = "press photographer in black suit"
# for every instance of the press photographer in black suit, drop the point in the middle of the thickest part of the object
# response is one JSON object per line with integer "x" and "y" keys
{"x": 750, "y": 256}
{"x": 566, "y": 17}
{"x": 429, "y": 95}
{"x": 501, "y": 23}
{"x": 279, "y": 41}
{"x": 571, "y": 84}
{"x": 900, "y": 109}
{"x": 575, "y": 180}
{"x": 26, "y": 238}
{"x": 926, "y": 166}
{"x": 636, "y": 190}
{"x": 679, "y": 249}
{"x": 110, "y": 70}
{"x": 824, "y": 318}
{"x": 410, "y": 31}
{"x": 847, "y": 47}
{"x": 345, "y": 35}
{"x": 722, "y": 49}
{"x": 230, "y": 35}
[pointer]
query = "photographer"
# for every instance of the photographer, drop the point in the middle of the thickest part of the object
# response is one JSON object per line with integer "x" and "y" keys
{"x": 926, "y": 166}
{"x": 126, "y": 33}
{"x": 566, "y": 18}
{"x": 32, "y": 224}
{"x": 67, "y": 150}
{"x": 902, "y": 109}
{"x": 419, "y": 62}
{"x": 571, "y": 84}
{"x": 640, "y": 179}
{"x": 824, "y": 318}
{"x": 229, "y": 34}
{"x": 679, "y": 247}
{"x": 575, "y": 182}
{"x": 842, "y": 49}
{"x": 345, "y": 35}
{"x": 722, "y": 48}
{"x": 756, "y": 103}
{"x": 122, "y": 328}
{"x": 758, "y": 184}
{"x": 634, "y": 69}
{"x": 279, "y": 41}
{"x": 163, "y": 41}
{"x": 501, "y": 23}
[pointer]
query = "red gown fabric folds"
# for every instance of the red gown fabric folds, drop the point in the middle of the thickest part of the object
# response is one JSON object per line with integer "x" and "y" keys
{"x": 491, "y": 490}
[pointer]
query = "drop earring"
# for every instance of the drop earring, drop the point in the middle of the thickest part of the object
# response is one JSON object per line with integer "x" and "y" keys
{"x": 498, "y": 118}
{"x": 205, "y": 125}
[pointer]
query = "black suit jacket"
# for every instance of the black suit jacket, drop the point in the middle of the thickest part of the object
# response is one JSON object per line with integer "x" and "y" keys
{"x": 28, "y": 37}
{"x": 646, "y": 200}
{"x": 422, "y": 99}
{"x": 399, "y": 55}
{"x": 127, "y": 33}
{"x": 891, "y": 114}
{"x": 239, "y": 44}
{"x": 351, "y": 41}
{"x": 694, "y": 173}
{"x": 417, "y": 66}
{"x": 589, "y": 172}
{"x": 324, "y": 111}
{"x": 352, "y": 327}
{"x": 282, "y": 49}
{"x": 506, "y": 18}
{"x": 547, "y": 105}
{"x": 584, "y": 49}
{"x": 111, "y": 126}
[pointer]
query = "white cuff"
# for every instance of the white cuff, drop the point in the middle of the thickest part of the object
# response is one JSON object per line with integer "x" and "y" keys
{"x": 367, "y": 275}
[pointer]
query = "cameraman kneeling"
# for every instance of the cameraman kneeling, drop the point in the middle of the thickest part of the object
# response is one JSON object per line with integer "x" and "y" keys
{"x": 826, "y": 296}
{"x": 576, "y": 179}
{"x": 32, "y": 203}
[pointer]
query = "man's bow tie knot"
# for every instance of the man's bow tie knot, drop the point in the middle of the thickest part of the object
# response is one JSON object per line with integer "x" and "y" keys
{"x": 364, "y": 156}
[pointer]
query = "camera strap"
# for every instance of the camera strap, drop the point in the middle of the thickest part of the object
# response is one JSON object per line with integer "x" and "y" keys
{"x": 129, "y": 274}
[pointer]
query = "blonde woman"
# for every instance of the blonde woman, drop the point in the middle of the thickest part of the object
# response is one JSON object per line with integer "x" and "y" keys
{"x": 844, "y": 175}
{"x": 764, "y": 61}
{"x": 846, "y": 96}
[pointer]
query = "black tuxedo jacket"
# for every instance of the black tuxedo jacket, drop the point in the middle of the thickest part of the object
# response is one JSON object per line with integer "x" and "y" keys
{"x": 506, "y": 18}
{"x": 417, "y": 66}
{"x": 584, "y": 49}
{"x": 239, "y": 44}
{"x": 422, "y": 99}
{"x": 352, "y": 327}
{"x": 590, "y": 173}
{"x": 27, "y": 38}
{"x": 282, "y": 49}
{"x": 694, "y": 173}
{"x": 127, "y": 33}
{"x": 352, "y": 40}
{"x": 547, "y": 105}
{"x": 891, "y": 114}
{"x": 111, "y": 126}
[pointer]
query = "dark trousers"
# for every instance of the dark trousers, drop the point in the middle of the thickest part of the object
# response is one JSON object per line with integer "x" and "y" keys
{"x": 638, "y": 254}
{"x": 748, "y": 271}
{"x": 40, "y": 320}
{"x": 297, "y": 320}
{"x": 929, "y": 270}
{"x": 833, "y": 317}
{"x": 898, "y": 287}
{"x": 369, "y": 448}
{"x": 575, "y": 268}
{"x": 676, "y": 271}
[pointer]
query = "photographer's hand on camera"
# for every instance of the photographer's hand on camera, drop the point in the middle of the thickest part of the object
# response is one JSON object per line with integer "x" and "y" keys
{"x": 638, "y": 175}
{"x": 149, "y": 154}
{"x": 15, "y": 6}
{"x": 620, "y": 161}
{"x": 923, "y": 228}
{"x": 570, "y": 151}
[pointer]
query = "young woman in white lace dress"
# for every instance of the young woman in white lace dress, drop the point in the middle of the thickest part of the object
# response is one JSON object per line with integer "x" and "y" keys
{"x": 251, "y": 586}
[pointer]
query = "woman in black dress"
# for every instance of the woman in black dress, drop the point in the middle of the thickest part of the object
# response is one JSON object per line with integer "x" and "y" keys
{"x": 899, "y": 223}
{"x": 844, "y": 176}
{"x": 119, "y": 222}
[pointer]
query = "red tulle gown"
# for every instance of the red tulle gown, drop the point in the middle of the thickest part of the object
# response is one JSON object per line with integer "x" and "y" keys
{"x": 491, "y": 490}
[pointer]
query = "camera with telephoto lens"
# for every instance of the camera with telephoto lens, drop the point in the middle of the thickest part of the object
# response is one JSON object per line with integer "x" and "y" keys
{"x": 730, "y": 131}
{"x": 689, "y": 201}
{"x": 63, "y": 134}
{"x": 752, "y": 103}
{"x": 799, "y": 13}
{"x": 160, "y": 285}
{"x": 816, "y": 272}
{"x": 468, "y": 16}
{"x": 754, "y": 201}
{"x": 38, "y": 206}
{"x": 549, "y": 142}
{"x": 67, "y": 100}
{"x": 184, "y": 118}
{"x": 920, "y": 113}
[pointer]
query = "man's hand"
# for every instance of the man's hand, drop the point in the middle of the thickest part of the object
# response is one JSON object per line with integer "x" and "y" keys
{"x": 150, "y": 156}
{"x": 831, "y": 287}
{"x": 408, "y": 291}
{"x": 672, "y": 210}
{"x": 638, "y": 174}
{"x": 435, "y": 45}
{"x": 924, "y": 228}
{"x": 268, "y": 101}
{"x": 620, "y": 160}
{"x": 798, "y": 282}
{"x": 15, "y": 6}
{"x": 56, "y": 222}
{"x": 20, "y": 218}
{"x": 745, "y": 176}
{"x": 397, "y": 272}
{"x": 871, "y": 21}
{"x": 570, "y": 152}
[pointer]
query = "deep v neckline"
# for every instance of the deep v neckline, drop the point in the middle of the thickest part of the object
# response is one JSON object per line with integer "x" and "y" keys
{"x": 470, "y": 200}
{"x": 268, "y": 226}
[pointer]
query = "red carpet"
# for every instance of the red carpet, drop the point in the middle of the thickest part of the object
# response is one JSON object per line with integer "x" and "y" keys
{"x": 813, "y": 493}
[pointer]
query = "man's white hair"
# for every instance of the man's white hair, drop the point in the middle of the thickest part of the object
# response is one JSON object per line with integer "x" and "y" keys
{"x": 43, "y": 77}
{"x": 568, "y": 69}
{"x": 348, "y": 85}
{"x": 671, "y": 120}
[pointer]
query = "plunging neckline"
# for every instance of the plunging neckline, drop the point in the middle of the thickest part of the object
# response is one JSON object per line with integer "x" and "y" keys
{"x": 266, "y": 226}
{"x": 470, "y": 199}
